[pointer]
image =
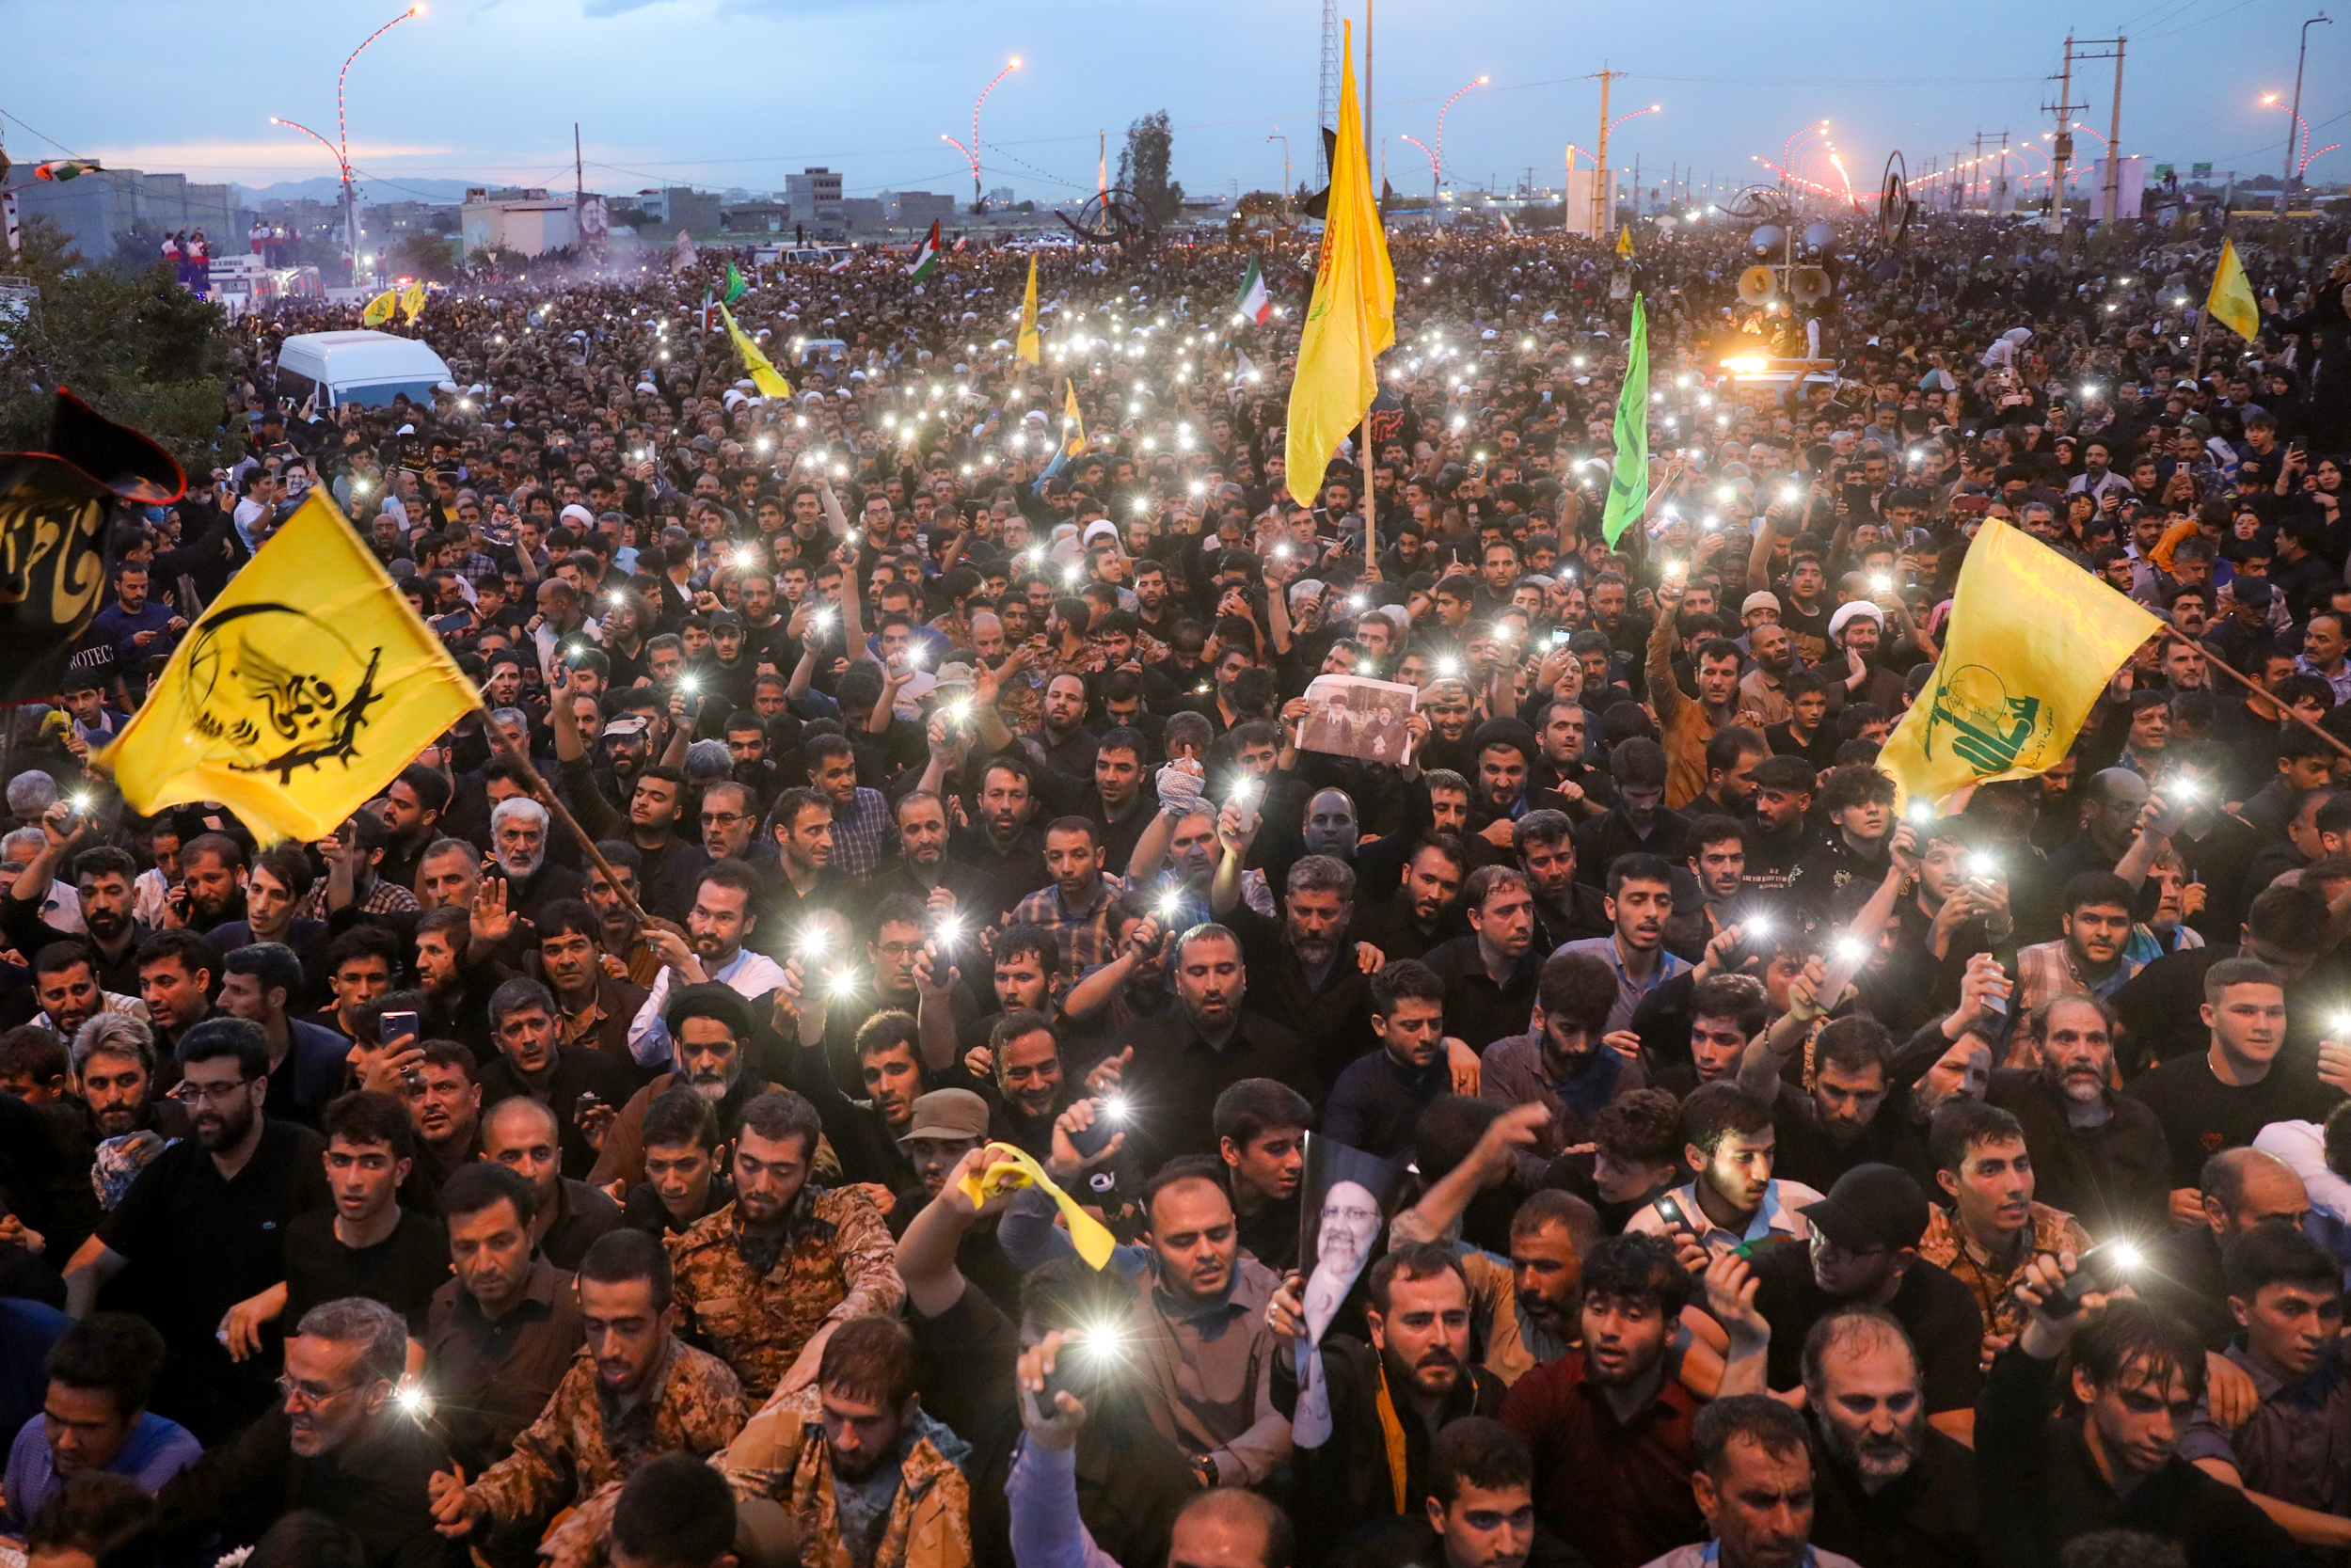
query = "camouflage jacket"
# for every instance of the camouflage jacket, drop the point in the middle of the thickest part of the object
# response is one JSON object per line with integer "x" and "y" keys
{"x": 1991, "y": 1282}
{"x": 581, "y": 1443}
{"x": 781, "y": 1455}
{"x": 838, "y": 1262}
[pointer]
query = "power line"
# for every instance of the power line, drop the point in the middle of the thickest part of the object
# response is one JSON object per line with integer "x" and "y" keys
{"x": 43, "y": 135}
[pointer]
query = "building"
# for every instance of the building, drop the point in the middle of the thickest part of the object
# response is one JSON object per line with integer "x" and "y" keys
{"x": 917, "y": 209}
{"x": 755, "y": 217}
{"x": 862, "y": 213}
{"x": 99, "y": 209}
{"x": 814, "y": 195}
{"x": 1001, "y": 198}
{"x": 681, "y": 207}
{"x": 528, "y": 225}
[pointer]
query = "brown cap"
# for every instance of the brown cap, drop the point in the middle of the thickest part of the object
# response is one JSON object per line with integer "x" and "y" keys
{"x": 957, "y": 1115}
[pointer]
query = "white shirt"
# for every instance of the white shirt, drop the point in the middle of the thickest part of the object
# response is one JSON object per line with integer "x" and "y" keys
{"x": 747, "y": 973}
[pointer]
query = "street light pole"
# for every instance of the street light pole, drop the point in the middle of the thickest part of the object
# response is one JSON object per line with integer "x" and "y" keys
{"x": 972, "y": 153}
{"x": 2285, "y": 185}
{"x": 343, "y": 137}
{"x": 1439, "y": 153}
{"x": 1285, "y": 167}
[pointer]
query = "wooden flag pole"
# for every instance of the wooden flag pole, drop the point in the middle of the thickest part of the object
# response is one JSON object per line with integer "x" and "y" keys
{"x": 2251, "y": 685}
{"x": 537, "y": 784}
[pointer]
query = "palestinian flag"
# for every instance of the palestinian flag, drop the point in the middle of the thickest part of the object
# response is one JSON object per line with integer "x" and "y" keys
{"x": 1253, "y": 301}
{"x": 926, "y": 255}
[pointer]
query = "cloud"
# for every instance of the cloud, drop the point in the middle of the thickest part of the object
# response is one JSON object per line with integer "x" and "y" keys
{"x": 293, "y": 152}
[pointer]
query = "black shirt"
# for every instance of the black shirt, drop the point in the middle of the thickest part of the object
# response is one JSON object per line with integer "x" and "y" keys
{"x": 2200, "y": 1115}
{"x": 1478, "y": 1011}
{"x": 1927, "y": 1517}
{"x": 372, "y": 1485}
{"x": 199, "y": 1245}
{"x": 1172, "y": 1085}
{"x": 578, "y": 1069}
{"x": 2114, "y": 1175}
{"x": 1940, "y": 1313}
{"x": 401, "y": 1271}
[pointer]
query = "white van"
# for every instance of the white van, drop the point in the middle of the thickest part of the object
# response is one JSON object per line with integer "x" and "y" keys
{"x": 365, "y": 368}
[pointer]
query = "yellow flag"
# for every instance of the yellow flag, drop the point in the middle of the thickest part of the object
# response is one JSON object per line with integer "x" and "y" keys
{"x": 299, "y": 693}
{"x": 2230, "y": 302}
{"x": 1352, "y": 317}
{"x": 412, "y": 301}
{"x": 764, "y": 376}
{"x": 1011, "y": 1169}
{"x": 1623, "y": 240}
{"x": 1028, "y": 348}
{"x": 1073, "y": 437}
{"x": 379, "y": 310}
{"x": 2032, "y": 643}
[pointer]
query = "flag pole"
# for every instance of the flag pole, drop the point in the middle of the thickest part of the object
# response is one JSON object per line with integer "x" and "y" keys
{"x": 537, "y": 782}
{"x": 2251, "y": 685}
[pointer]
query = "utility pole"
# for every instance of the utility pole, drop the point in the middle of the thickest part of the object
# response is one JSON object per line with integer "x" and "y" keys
{"x": 2285, "y": 182}
{"x": 2110, "y": 208}
{"x": 1636, "y": 184}
{"x": 579, "y": 175}
{"x": 2062, "y": 144}
{"x": 1602, "y": 206}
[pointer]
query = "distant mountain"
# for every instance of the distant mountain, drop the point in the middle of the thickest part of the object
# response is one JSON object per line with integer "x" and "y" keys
{"x": 326, "y": 189}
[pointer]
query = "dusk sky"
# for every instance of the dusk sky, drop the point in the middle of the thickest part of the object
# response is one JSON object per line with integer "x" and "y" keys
{"x": 740, "y": 92}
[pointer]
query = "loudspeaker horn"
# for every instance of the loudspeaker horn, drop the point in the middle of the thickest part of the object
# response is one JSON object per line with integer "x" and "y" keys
{"x": 1756, "y": 286}
{"x": 1810, "y": 285}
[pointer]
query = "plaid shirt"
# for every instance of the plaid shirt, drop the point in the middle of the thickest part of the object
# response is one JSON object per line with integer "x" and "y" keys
{"x": 1086, "y": 938}
{"x": 2045, "y": 969}
{"x": 382, "y": 898}
{"x": 476, "y": 566}
{"x": 858, "y": 836}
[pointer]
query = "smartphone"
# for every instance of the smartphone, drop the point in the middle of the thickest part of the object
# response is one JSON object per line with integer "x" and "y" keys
{"x": 2104, "y": 1268}
{"x": 393, "y": 1027}
{"x": 1669, "y": 1209}
{"x": 1110, "y": 1120}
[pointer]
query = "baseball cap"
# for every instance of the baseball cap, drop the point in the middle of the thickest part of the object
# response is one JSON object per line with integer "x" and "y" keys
{"x": 959, "y": 1115}
{"x": 1871, "y": 1208}
{"x": 625, "y": 724}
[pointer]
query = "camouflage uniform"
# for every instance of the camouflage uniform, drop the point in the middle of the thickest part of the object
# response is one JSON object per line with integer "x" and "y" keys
{"x": 838, "y": 1262}
{"x": 581, "y": 1443}
{"x": 1993, "y": 1285}
{"x": 781, "y": 1455}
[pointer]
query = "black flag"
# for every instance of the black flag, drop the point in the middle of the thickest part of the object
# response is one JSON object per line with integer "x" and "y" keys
{"x": 55, "y": 506}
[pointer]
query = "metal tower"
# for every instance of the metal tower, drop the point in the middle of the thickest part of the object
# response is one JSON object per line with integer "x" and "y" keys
{"x": 1326, "y": 109}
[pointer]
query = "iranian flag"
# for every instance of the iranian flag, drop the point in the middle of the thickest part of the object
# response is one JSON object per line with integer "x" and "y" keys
{"x": 1253, "y": 301}
{"x": 960, "y": 240}
{"x": 926, "y": 255}
{"x": 841, "y": 265}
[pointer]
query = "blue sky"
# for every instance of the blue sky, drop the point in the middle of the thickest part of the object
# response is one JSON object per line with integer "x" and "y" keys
{"x": 740, "y": 92}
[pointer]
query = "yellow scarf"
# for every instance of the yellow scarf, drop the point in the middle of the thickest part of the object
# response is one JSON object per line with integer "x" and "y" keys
{"x": 1392, "y": 1429}
{"x": 1011, "y": 1169}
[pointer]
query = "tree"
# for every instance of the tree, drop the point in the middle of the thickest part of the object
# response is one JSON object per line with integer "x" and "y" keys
{"x": 426, "y": 256}
{"x": 140, "y": 349}
{"x": 1143, "y": 167}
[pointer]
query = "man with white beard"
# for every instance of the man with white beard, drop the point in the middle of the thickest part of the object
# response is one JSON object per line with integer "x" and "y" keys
{"x": 518, "y": 841}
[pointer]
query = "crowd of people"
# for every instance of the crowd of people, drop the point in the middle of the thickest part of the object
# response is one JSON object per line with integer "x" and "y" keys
{"x": 619, "y": 1141}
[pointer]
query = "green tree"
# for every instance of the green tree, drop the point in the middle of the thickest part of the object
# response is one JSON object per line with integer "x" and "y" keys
{"x": 1143, "y": 167}
{"x": 427, "y": 256}
{"x": 140, "y": 349}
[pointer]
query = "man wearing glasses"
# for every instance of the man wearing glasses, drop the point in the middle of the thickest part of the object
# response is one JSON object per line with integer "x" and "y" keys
{"x": 1864, "y": 1252}
{"x": 202, "y": 1228}
{"x": 339, "y": 1444}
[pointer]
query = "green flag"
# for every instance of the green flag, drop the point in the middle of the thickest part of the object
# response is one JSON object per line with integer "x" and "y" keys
{"x": 1628, "y": 487}
{"x": 735, "y": 287}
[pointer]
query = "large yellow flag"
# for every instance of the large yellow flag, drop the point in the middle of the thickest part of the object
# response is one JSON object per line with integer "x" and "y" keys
{"x": 299, "y": 693}
{"x": 1072, "y": 422}
{"x": 379, "y": 310}
{"x": 1352, "y": 317}
{"x": 1623, "y": 240}
{"x": 2231, "y": 302}
{"x": 2032, "y": 641}
{"x": 1028, "y": 347}
{"x": 412, "y": 301}
{"x": 764, "y": 375}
